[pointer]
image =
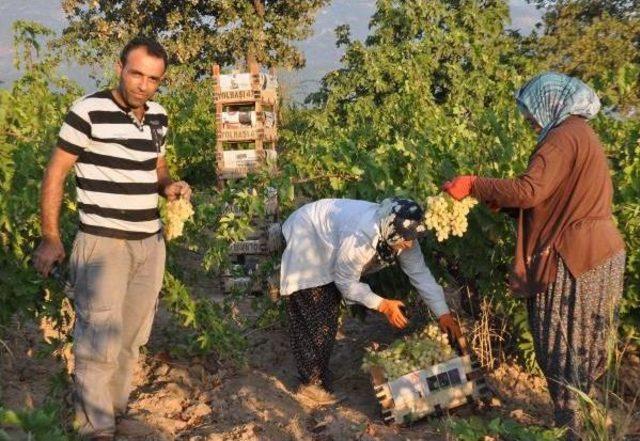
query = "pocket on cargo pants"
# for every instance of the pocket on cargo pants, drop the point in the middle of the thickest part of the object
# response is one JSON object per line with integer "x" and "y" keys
{"x": 96, "y": 336}
{"x": 100, "y": 269}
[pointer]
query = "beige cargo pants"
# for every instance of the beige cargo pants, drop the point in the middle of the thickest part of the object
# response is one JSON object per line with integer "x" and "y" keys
{"x": 116, "y": 285}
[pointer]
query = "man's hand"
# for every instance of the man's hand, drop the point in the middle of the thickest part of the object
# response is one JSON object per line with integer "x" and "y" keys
{"x": 391, "y": 309}
{"x": 178, "y": 189}
{"x": 47, "y": 254}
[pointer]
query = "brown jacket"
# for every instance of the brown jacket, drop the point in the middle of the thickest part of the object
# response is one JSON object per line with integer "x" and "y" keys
{"x": 564, "y": 200}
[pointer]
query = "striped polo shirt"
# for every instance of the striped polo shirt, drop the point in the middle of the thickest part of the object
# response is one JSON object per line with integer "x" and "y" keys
{"x": 116, "y": 177}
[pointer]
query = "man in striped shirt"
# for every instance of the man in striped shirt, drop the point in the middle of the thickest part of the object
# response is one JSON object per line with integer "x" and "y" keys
{"x": 115, "y": 141}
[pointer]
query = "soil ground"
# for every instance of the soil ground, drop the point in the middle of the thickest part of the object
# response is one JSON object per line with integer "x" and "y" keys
{"x": 202, "y": 399}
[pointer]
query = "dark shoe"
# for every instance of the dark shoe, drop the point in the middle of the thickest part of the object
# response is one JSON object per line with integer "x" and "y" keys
{"x": 331, "y": 378}
{"x": 102, "y": 438}
{"x": 130, "y": 427}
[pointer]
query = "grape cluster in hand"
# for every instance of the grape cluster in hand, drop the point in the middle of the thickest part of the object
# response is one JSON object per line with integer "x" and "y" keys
{"x": 178, "y": 211}
{"x": 447, "y": 216}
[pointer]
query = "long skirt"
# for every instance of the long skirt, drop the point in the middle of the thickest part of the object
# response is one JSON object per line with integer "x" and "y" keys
{"x": 572, "y": 323}
{"x": 313, "y": 323}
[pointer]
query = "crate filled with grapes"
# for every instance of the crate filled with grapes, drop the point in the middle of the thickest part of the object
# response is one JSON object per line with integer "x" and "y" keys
{"x": 422, "y": 374}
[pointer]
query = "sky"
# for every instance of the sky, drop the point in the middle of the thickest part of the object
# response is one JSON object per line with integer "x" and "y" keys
{"x": 320, "y": 50}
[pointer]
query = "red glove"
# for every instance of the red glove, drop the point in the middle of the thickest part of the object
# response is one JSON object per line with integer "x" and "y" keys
{"x": 391, "y": 309}
{"x": 460, "y": 187}
{"x": 449, "y": 325}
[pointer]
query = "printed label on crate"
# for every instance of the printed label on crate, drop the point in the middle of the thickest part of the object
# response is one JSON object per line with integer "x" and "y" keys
{"x": 407, "y": 390}
{"x": 235, "y": 95}
{"x": 240, "y": 283}
{"x": 234, "y": 159}
{"x": 236, "y": 134}
{"x": 246, "y": 134}
{"x": 246, "y": 247}
{"x": 244, "y": 80}
{"x": 450, "y": 378}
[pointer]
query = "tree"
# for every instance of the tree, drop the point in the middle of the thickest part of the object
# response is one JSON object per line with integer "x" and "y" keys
{"x": 593, "y": 8}
{"x": 196, "y": 33}
{"x": 596, "y": 40}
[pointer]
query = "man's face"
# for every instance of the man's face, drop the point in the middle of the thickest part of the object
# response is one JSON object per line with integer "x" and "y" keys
{"x": 140, "y": 77}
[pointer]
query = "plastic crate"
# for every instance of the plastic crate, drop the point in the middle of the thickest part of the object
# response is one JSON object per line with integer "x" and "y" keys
{"x": 429, "y": 391}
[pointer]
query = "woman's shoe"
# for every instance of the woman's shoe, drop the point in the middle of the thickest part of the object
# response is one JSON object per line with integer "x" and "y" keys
{"x": 317, "y": 394}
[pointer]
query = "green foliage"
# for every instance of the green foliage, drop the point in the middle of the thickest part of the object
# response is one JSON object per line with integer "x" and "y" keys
{"x": 195, "y": 33}
{"x": 429, "y": 94}
{"x": 212, "y": 322}
{"x": 598, "y": 41}
{"x": 191, "y": 138}
{"x": 41, "y": 424}
{"x": 30, "y": 117}
{"x": 622, "y": 141}
{"x": 422, "y": 99}
{"x": 476, "y": 429}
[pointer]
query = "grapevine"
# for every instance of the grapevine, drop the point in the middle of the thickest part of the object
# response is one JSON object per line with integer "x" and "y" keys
{"x": 411, "y": 353}
{"x": 178, "y": 211}
{"x": 447, "y": 216}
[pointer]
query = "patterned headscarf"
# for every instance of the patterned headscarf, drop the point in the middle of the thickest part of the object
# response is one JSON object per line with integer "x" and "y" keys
{"x": 552, "y": 97}
{"x": 398, "y": 219}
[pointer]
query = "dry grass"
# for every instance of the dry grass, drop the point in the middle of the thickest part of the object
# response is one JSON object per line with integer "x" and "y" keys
{"x": 487, "y": 337}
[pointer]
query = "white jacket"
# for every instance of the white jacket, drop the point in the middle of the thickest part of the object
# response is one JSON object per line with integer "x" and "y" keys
{"x": 333, "y": 240}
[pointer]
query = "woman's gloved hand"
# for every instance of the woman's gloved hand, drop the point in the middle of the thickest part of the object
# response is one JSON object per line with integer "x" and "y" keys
{"x": 450, "y": 326}
{"x": 391, "y": 309}
{"x": 460, "y": 187}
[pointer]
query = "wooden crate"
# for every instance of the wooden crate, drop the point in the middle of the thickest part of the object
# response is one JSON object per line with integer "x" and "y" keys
{"x": 251, "y": 246}
{"x": 234, "y": 164}
{"x": 247, "y": 96}
{"x": 245, "y": 134}
{"x": 245, "y": 88}
{"x": 429, "y": 391}
{"x": 243, "y": 283}
{"x": 266, "y": 240}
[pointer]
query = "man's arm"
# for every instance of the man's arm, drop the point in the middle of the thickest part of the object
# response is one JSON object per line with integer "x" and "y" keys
{"x": 166, "y": 187}
{"x": 51, "y": 249}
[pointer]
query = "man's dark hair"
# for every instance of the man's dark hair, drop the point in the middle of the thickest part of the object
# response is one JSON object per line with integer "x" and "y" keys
{"x": 153, "y": 48}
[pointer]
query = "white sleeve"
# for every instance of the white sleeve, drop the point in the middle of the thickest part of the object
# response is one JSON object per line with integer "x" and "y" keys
{"x": 413, "y": 264}
{"x": 354, "y": 253}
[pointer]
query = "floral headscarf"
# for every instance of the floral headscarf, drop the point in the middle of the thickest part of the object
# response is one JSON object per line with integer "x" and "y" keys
{"x": 552, "y": 97}
{"x": 399, "y": 219}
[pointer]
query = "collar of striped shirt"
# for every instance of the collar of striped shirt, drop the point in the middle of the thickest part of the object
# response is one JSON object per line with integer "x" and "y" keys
{"x": 139, "y": 123}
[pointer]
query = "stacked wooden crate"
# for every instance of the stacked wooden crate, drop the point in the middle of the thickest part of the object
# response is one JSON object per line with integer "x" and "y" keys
{"x": 247, "y": 132}
{"x": 246, "y": 114}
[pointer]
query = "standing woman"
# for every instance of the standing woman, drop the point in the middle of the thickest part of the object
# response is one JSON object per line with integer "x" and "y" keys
{"x": 331, "y": 243}
{"x": 570, "y": 257}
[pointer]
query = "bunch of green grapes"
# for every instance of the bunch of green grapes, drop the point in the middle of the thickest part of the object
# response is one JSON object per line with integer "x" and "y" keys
{"x": 178, "y": 211}
{"x": 447, "y": 216}
{"x": 417, "y": 351}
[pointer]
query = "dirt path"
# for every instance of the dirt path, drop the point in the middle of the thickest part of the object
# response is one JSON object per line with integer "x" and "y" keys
{"x": 202, "y": 400}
